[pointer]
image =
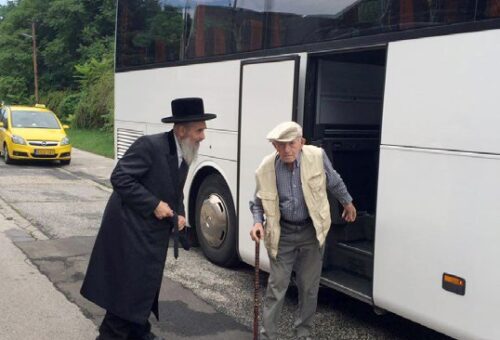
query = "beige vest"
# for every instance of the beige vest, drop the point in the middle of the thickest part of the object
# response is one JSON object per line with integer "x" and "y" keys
{"x": 312, "y": 175}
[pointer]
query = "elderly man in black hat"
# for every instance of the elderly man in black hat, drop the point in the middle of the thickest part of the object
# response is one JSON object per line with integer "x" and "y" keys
{"x": 126, "y": 266}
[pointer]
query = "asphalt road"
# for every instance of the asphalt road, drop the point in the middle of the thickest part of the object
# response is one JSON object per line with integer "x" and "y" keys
{"x": 57, "y": 211}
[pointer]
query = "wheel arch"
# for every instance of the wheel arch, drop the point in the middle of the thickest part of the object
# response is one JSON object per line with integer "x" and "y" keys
{"x": 198, "y": 178}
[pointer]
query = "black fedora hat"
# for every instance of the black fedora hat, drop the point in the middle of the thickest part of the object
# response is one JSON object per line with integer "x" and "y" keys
{"x": 186, "y": 110}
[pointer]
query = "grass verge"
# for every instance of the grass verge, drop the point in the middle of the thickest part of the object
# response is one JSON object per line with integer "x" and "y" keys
{"x": 94, "y": 141}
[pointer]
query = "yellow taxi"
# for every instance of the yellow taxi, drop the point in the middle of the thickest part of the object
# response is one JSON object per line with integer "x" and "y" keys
{"x": 32, "y": 133}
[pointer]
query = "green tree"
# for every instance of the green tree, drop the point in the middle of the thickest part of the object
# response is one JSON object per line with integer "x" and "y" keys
{"x": 95, "y": 107}
{"x": 13, "y": 89}
{"x": 75, "y": 40}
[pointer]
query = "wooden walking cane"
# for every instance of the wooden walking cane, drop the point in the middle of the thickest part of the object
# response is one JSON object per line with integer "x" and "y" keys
{"x": 256, "y": 298}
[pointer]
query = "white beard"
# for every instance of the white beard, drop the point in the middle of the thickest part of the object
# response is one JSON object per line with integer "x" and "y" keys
{"x": 189, "y": 150}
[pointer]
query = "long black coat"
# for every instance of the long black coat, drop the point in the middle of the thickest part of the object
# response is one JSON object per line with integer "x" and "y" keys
{"x": 126, "y": 266}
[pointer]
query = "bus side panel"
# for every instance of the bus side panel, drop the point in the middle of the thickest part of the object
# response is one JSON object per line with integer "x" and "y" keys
{"x": 442, "y": 92}
{"x": 145, "y": 96}
{"x": 439, "y": 213}
{"x": 438, "y": 203}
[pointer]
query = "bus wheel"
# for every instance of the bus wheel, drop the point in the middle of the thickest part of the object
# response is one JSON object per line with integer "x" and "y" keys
{"x": 216, "y": 221}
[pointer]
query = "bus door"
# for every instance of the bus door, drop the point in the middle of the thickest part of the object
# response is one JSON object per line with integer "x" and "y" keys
{"x": 343, "y": 115}
{"x": 268, "y": 96}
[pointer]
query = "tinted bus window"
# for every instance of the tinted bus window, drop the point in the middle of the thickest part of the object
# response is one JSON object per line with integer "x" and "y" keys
{"x": 210, "y": 28}
{"x": 249, "y": 29}
{"x": 295, "y": 22}
{"x": 159, "y": 31}
{"x": 218, "y": 27}
{"x": 488, "y": 9}
{"x": 452, "y": 11}
{"x": 149, "y": 32}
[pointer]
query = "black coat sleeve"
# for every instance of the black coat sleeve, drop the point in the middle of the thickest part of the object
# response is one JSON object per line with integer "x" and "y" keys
{"x": 126, "y": 177}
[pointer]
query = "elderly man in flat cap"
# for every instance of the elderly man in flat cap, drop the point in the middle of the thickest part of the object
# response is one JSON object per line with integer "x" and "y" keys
{"x": 291, "y": 194}
{"x": 126, "y": 266}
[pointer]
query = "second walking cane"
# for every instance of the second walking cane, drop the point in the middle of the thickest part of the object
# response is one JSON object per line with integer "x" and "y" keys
{"x": 256, "y": 296}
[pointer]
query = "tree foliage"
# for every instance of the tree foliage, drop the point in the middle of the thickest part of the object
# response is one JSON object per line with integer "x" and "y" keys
{"x": 96, "y": 78}
{"x": 74, "y": 55}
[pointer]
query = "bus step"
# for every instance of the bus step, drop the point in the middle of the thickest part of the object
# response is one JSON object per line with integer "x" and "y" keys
{"x": 356, "y": 286}
{"x": 363, "y": 247}
{"x": 354, "y": 257}
{"x": 362, "y": 229}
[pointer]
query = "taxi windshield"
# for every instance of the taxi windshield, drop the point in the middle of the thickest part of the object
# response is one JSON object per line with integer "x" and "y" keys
{"x": 34, "y": 119}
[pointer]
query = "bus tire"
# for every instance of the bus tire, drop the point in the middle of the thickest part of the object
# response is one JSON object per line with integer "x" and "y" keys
{"x": 215, "y": 218}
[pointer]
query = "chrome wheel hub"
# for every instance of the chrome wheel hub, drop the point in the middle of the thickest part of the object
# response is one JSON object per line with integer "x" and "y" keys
{"x": 214, "y": 220}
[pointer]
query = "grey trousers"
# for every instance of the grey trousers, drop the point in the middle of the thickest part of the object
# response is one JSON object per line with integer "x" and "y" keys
{"x": 298, "y": 250}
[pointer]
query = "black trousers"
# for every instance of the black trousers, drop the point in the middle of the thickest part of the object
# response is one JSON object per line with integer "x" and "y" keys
{"x": 114, "y": 328}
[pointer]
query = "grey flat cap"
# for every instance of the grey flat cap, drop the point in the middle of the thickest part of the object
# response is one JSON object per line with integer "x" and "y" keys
{"x": 285, "y": 132}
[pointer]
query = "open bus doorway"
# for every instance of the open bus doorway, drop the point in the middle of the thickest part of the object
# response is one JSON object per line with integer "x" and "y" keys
{"x": 344, "y": 103}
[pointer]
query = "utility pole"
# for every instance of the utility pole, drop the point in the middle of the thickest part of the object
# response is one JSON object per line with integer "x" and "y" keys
{"x": 35, "y": 64}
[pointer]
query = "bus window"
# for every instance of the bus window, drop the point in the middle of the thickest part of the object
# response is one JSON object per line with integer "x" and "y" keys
{"x": 219, "y": 28}
{"x": 453, "y": 11}
{"x": 249, "y": 25}
{"x": 209, "y": 25}
{"x": 295, "y": 22}
{"x": 489, "y": 9}
{"x": 405, "y": 14}
{"x": 148, "y": 32}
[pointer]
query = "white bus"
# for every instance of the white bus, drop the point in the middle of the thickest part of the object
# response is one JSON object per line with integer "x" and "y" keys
{"x": 402, "y": 94}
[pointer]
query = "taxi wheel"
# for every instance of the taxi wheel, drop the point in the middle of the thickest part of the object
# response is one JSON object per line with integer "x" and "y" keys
{"x": 6, "y": 156}
{"x": 65, "y": 161}
{"x": 215, "y": 221}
